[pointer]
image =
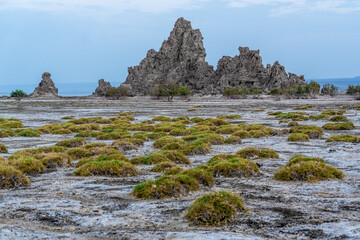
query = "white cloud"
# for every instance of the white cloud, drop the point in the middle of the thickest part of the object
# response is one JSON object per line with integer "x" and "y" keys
{"x": 277, "y": 7}
{"x": 156, "y": 6}
{"x": 283, "y": 7}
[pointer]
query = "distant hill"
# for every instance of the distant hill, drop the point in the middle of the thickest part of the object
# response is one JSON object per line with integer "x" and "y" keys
{"x": 342, "y": 83}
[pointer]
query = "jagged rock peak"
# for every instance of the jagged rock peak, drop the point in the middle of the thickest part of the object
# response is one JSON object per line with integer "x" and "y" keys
{"x": 181, "y": 59}
{"x": 46, "y": 87}
{"x": 247, "y": 70}
{"x": 102, "y": 89}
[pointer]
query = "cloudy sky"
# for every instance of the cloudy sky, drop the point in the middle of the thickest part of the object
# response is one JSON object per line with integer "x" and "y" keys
{"x": 85, "y": 40}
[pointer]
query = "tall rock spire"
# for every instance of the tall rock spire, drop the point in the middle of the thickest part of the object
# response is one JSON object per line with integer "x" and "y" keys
{"x": 181, "y": 59}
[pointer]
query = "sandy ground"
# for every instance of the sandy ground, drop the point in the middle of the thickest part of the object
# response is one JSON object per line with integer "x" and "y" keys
{"x": 60, "y": 206}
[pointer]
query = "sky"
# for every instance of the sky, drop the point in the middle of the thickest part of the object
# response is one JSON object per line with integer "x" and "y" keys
{"x": 85, "y": 40}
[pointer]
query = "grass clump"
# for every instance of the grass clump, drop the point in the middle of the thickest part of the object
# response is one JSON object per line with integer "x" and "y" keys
{"x": 10, "y": 123}
{"x": 304, "y": 107}
{"x": 233, "y": 116}
{"x": 161, "y": 119}
{"x": 174, "y": 170}
{"x": 101, "y": 158}
{"x": 28, "y": 133}
{"x": 124, "y": 145}
{"x": 10, "y": 177}
{"x": 333, "y": 112}
{"x": 312, "y": 131}
{"x": 343, "y": 138}
{"x": 294, "y": 116}
{"x": 166, "y": 187}
{"x": 7, "y": 132}
{"x": 72, "y": 143}
{"x": 298, "y": 137}
{"x": 180, "y": 132}
{"x": 339, "y": 118}
{"x": 54, "y": 159}
{"x": 228, "y": 129}
{"x": 254, "y": 153}
{"x": 67, "y": 117}
{"x": 162, "y": 156}
{"x": 27, "y": 165}
{"x": 163, "y": 166}
{"x": 107, "y": 168}
{"x": 215, "y": 209}
{"x": 339, "y": 126}
{"x": 3, "y": 148}
{"x": 293, "y": 124}
{"x": 233, "y": 140}
{"x": 232, "y": 166}
{"x": 304, "y": 168}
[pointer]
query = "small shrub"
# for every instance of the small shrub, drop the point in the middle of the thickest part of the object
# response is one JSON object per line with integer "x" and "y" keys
{"x": 10, "y": 177}
{"x": 215, "y": 209}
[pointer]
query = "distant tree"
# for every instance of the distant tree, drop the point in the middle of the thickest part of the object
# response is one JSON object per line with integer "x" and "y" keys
{"x": 277, "y": 91}
{"x": 231, "y": 92}
{"x": 352, "y": 90}
{"x": 18, "y": 94}
{"x": 328, "y": 89}
{"x": 117, "y": 92}
{"x": 170, "y": 90}
{"x": 255, "y": 91}
{"x": 184, "y": 91}
{"x": 314, "y": 88}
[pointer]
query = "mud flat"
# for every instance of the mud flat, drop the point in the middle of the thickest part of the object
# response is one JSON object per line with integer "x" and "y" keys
{"x": 59, "y": 205}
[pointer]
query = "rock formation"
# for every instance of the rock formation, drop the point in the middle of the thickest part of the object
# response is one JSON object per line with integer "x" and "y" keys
{"x": 247, "y": 70}
{"x": 181, "y": 59}
{"x": 46, "y": 87}
{"x": 102, "y": 88}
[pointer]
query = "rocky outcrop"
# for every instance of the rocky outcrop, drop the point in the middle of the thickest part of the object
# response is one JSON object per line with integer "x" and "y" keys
{"x": 102, "y": 89}
{"x": 181, "y": 59}
{"x": 247, "y": 70}
{"x": 46, "y": 87}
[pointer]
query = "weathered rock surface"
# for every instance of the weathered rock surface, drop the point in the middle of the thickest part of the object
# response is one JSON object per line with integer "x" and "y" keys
{"x": 46, "y": 87}
{"x": 102, "y": 88}
{"x": 247, "y": 70}
{"x": 181, "y": 59}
